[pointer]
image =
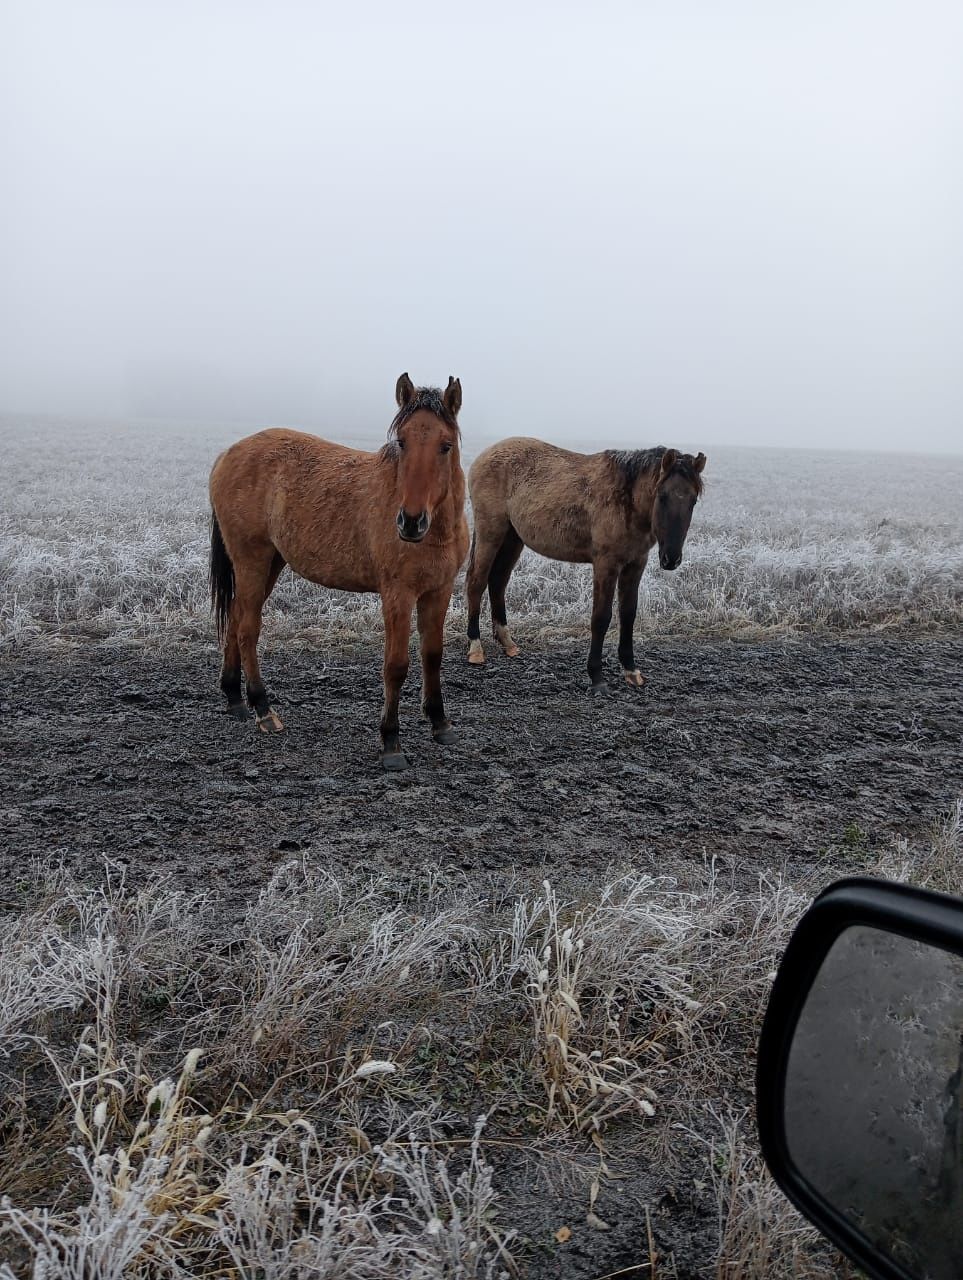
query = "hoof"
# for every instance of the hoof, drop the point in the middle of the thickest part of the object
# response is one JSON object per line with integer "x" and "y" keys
{"x": 504, "y": 638}
{"x": 596, "y": 690}
{"x": 394, "y": 761}
{"x": 238, "y": 711}
{"x": 270, "y": 722}
{"x": 476, "y": 654}
{"x": 634, "y": 678}
{"x": 445, "y": 736}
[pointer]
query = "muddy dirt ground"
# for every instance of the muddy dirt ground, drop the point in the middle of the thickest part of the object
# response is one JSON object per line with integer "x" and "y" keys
{"x": 759, "y": 755}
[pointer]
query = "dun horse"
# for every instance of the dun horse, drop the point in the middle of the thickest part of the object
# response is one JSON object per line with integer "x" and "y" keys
{"x": 391, "y": 522}
{"x": 606, "y": 508}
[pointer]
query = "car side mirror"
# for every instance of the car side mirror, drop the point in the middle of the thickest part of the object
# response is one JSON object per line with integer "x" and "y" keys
{"x": 858, "y": 1079}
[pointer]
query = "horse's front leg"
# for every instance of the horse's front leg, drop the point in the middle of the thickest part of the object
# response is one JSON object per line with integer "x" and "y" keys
{"x": 629, "y": 580}
{"x": 397, "y": 615}
{"x": 432, "y": 609}
{"x": 604, "y": 575}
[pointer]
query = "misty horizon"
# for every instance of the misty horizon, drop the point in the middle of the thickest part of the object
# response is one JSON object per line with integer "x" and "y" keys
{"x": 738, "y": 229}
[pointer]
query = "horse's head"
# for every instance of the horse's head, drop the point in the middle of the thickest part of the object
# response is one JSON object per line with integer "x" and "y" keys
{"x": 425, "y": 431}
{"x": 676, "y": 490}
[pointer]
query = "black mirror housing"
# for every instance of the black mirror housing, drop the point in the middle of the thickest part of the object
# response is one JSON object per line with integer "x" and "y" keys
{"x": 836, "y": 1025}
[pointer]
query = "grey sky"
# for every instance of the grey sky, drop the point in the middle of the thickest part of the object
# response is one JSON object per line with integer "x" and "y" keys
{"x": 702, "y": 222}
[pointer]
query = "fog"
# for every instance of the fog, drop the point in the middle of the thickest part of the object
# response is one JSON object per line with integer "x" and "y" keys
{"x": 736, "y": 223}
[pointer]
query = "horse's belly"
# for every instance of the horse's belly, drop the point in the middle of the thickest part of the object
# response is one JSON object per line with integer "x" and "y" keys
{"x": 337, "y": 580}
{"x": 552, "y": 541}
{"x": 560, "y": 551}
{"x": 334, "y": 566}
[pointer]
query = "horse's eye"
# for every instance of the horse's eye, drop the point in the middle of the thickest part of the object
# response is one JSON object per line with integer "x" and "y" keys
{"x": 401, "y": 444}
{"x": 446, "y": 448}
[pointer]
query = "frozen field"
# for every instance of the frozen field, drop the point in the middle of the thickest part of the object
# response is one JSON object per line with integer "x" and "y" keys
{"x": 104, "y": 532}
{"x": 268, "y": 1012}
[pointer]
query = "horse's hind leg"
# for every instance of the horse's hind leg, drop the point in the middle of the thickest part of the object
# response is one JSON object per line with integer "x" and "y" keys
{"x": 485, "y": 544}
{"x": 255, "y": 580}
{"x": 231, "y": 673}
{"x": 501, "y": 571}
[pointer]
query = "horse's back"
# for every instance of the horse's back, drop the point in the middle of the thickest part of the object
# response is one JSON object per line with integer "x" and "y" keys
{"x": 279, "y": 446}
{"x": 524, "y": 455}
{"x": 542, "y": 490}
{"x": 293, "y": 491}
{"x": 280, "y": 456}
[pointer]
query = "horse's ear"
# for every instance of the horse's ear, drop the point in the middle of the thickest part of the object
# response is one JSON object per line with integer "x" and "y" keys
{"x": 453, "y": 396}
{"x": 669, "y": 459}
{"x": 404, "y": 390}
{"x": 698, "y": 463}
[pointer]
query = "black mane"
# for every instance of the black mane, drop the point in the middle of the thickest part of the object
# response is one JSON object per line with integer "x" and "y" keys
{"x": 632, "y": 463}
{"x": 430, "y": 398}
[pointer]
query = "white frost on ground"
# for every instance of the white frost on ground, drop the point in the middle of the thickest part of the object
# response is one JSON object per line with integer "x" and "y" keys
{"x": 104, "y": 532}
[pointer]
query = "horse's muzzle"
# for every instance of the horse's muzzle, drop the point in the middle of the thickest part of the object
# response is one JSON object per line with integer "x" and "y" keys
{"x": 412, "y": 528}
{"x": 669, "y": 562}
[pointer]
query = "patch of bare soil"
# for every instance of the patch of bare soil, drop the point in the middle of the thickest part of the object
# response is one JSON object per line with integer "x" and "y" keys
{"x": 757, "y": 755}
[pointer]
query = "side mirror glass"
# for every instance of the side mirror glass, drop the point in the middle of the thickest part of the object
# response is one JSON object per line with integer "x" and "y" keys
{"x": 860, "y": 1079}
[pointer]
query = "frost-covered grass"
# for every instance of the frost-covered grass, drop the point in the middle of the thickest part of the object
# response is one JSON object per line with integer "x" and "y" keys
{"x": 326, "y": 1085}
{"x": 292, "y": 1099}
{"x": 104, "y": 533}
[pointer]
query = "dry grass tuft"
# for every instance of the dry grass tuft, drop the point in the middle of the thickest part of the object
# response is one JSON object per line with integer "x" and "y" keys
{"x": 936, "y": 863}
{"x": 589, "y": 971}
{"x": 296, "y": 1093}
{"x": 761, "y": 1235}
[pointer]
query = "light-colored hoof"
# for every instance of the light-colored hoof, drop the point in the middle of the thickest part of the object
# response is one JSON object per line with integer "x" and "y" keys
{"x": 476, "y": 654}
{"x": 634, "y": 678}
{"x": 270, "y": 723}
{"x": 504, "y": 638}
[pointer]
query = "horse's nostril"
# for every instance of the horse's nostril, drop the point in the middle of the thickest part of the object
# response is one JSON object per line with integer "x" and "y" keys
{"x": 412, "y": 528}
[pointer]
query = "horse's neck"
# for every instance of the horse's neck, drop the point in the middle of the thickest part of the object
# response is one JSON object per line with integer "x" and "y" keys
{"x": 643, "y": 494}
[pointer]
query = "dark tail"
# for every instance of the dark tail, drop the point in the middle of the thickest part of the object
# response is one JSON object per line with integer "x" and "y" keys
{"x": 222, "y": 579}
{"x": 471, "y": 555}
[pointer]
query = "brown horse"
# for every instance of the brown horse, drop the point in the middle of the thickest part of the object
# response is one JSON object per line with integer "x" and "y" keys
{"x": 391, "y": 522}
{"x": 608, "y": 509}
